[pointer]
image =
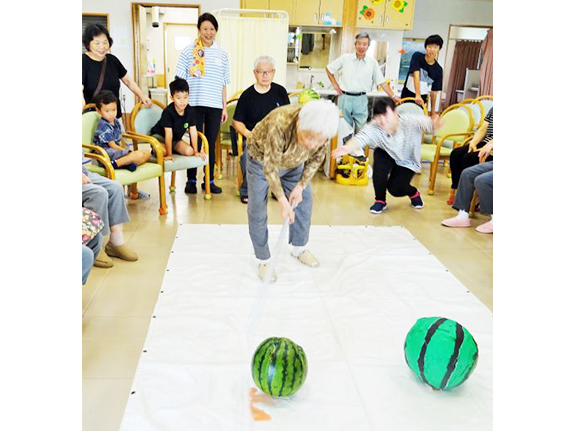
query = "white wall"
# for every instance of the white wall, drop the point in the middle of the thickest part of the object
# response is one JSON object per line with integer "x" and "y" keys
{"x": 435, "y": 16}
{"x": 120, "y": 18}
{"x": 155, "y": 35}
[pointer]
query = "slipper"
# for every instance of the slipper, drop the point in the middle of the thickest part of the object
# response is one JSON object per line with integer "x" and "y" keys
{"x": 456, "y": 222}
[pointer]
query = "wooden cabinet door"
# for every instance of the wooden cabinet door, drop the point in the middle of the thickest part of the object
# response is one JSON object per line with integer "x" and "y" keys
{"x": 306, "y": 12}
{"x": 285, "y": 5}
{"x": 256, "y": 4}
{"x": 331, "y": 13}
{"x": 370, "y": 13}
{"x": 399, "y": 14}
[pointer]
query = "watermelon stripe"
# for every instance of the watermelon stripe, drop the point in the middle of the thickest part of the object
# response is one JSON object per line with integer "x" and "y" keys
{"x": 459, "y": 335}
{"x": 264, "y": 370}
{"x": 421, "y": 359}
{"x": 285, "y": 365}
{"x": 294, "y": 363}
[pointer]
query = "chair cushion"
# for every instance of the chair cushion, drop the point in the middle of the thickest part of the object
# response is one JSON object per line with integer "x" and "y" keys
{"x": 182, "y": 162}
{"x": 124, "y": 176}
{"x": 428, "y": 152}
{"x": 89, "y": 123}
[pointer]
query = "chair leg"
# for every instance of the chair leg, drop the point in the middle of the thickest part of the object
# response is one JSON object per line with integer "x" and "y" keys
{"x": 173, "y": 183}
{"x": 472, "y": 204}
{"x": 133, "y": 189}
{"x": 432, "y": 175}
{"x": 162, "y": 186}
{"x": 208, "y": 194}
{"x": 218, "y": 165}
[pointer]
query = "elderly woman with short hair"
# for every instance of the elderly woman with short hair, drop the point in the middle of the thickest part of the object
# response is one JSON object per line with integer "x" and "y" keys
{"x": 254, "y": 104}
{"x": 102, "y": 70}
{"x": 285, "y": 151}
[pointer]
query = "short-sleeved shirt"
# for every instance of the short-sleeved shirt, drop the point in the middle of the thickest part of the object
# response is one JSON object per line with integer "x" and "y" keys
{"x": 206, "y": 90}
{"x": 405, "y": 145}
{"x": 178, "y": 123}
{"x": 357, "y": 76}
{"x": 273, "y": 144}
{"x": 430, "y": 75}
{"x": 91, "y": 69}
{"x": 106, "y": 132}
{"x": 489, "y": 119}
{"x": 252, "y": 106}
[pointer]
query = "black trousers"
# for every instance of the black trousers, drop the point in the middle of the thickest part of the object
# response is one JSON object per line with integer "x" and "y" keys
{"x": 207, "y": 122}
{"x": 406, "y": 93}
{"x": 460, "y": 159}
{"x": 388, "y": 176}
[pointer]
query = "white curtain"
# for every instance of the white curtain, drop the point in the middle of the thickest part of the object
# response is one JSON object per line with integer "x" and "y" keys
{"x": 245, "y": 39}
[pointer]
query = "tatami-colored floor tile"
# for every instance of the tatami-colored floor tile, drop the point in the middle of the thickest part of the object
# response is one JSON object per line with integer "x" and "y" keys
{"x": 118, "y": 303}
{"x": 103, "y": 403}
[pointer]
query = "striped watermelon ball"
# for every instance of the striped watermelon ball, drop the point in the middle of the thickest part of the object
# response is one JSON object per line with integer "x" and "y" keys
{"x": 279, "y": 367}
{"x": 441, "y": 352}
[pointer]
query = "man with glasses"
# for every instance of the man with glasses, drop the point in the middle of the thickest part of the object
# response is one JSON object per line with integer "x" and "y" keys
{"x": 358, "y": 75}
{"x": 254, "y": 104}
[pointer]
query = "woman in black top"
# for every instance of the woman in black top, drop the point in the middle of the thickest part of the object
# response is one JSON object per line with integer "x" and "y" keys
{"x": 97, "y": 42}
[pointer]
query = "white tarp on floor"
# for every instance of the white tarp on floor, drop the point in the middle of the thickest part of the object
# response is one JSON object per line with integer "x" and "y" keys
{"x": 350, "y": 315}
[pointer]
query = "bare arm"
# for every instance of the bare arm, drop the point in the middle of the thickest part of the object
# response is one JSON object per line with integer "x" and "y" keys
{"x": 131, "y": 84}
{"x": 333, "y": 81}
{"x": 478, "y": 136}
{"x": 418, "y": 98}
{"x": 433, "y": 101}
{"x": 168, "y": 141}
{"x": 225, "y": 102}
{"x": 241, "y": 128}
{"x": 385, "y": 87}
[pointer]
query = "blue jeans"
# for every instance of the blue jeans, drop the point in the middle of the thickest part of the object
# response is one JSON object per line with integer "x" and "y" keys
{"x": 257, "y": 207}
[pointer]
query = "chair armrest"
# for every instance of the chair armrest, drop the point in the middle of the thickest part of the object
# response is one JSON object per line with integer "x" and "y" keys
{"x": 156, "y": 146}
{"x": 96, "y": 149}
{"x": 105, "y": 161}
{"x": 205, "y": 144}
{"x": 240, "y": 144}
{"x": 443, "y": 138}
{"x": 464, "y": 142}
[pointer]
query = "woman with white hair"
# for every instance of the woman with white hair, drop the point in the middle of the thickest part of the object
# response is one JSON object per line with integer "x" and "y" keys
{"x": 254, "y": 104}
{"x": 285, "y": 151}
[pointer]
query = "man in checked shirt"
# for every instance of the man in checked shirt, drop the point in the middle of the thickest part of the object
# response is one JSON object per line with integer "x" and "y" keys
{"x": 285, "y": 150}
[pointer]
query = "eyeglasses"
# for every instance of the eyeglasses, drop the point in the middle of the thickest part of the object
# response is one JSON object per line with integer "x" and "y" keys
{"x": 265, "y": 72}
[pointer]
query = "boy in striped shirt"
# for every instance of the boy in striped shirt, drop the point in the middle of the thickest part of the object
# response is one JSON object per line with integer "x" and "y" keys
{"x": 396, "y": 142}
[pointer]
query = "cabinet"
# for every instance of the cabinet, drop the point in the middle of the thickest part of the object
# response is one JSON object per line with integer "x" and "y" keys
{"x": 285, "y": 5}
{"x": 318, "y": 12}
{"x": 370, "y": 14}
{"x": 255, "y": 4}
{"x": 386, "y": 14}
{"x": 399, "y": 14}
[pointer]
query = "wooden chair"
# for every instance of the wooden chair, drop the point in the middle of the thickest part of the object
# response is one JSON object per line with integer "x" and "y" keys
{"x": 224, "y": 139}
{"x": 487, "y": 102}
{"x": 412, "y": 108}
{"x": 141, "y": 123}
{"x": 144, "y": 172}
{"x": 458, "y": 125}
{"x": 478, "y": 112}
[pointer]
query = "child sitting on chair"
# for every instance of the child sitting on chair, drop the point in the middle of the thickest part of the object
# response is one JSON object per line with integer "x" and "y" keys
{"x": 397, "y": 151}
{"x": 108, "y": 135}
{"x": 176, "y": 120}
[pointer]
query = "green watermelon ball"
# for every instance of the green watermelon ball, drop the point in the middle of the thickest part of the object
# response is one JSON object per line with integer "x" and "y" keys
{"x": 279, "y": 367}
{"x": 307, "y": 95}
{"x": 441, "y": 352}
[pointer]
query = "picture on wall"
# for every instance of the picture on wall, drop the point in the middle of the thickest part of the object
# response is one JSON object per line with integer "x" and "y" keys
{"x": 408, "y": 47}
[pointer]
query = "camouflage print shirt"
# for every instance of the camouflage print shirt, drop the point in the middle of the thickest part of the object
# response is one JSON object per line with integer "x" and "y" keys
{"x": 274, "y": 145}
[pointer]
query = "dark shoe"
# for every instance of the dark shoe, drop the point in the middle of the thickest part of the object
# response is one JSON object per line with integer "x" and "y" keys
{"x": 213, "y": 188}
{"x": 131, "y": 167}
{"x": 378, "y": 207}
{"x": 244, "y": 199}
{"x": 416, "y": 201}
{"x": 191, "y": 188}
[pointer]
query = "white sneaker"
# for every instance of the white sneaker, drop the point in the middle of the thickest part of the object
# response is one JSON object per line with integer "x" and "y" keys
{"x": 262, "y": 273}
{"x": 307, "y": 259}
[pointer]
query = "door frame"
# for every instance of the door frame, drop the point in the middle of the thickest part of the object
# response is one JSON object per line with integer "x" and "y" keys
{"x": 136, "y": 33}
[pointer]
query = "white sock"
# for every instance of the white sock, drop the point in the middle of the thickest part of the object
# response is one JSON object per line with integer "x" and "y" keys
{"x": 117, "y": 238}
{"x": 297, "y": 250}
{"x": 462, "y": 215}
{"x": 491, "y": 218}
